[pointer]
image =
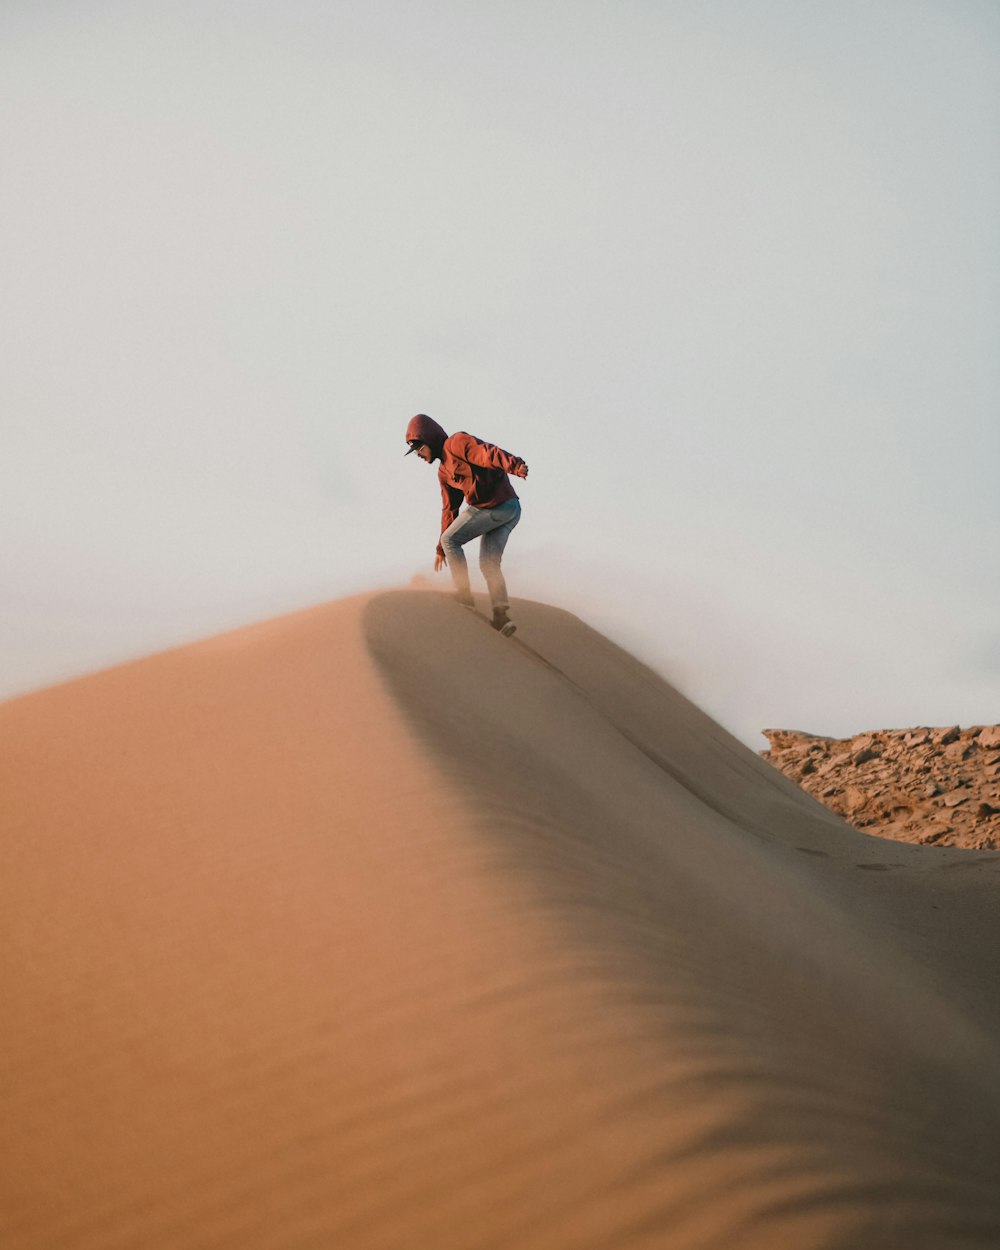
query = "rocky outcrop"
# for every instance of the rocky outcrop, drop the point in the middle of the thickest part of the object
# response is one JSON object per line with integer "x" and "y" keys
{"x": 917, "y": 785}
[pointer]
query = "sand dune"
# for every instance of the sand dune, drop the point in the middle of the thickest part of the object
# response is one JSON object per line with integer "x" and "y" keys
{"x": 367, "y": 928}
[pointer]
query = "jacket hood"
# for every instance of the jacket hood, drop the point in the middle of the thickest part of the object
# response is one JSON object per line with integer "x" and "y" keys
{"x": 427, "y": 430}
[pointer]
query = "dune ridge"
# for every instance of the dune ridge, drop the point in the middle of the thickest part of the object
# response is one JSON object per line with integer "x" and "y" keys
{"x": 368, "y": 927}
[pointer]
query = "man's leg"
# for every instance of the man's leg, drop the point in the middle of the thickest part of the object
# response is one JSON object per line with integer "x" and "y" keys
{"x": 469, "y": 524}
{"x": 491, "y": 551}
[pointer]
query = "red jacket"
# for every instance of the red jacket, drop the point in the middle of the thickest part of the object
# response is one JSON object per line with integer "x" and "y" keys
{"x": 476, "y": 472}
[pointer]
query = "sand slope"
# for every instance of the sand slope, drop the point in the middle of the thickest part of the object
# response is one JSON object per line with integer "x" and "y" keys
{"x": 365, "y": 927}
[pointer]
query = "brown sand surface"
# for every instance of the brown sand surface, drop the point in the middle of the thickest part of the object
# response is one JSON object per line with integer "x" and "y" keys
{"x": 368, "y": 928}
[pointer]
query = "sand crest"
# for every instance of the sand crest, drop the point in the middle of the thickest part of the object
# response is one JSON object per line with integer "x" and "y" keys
{"x": 365, "y": 927}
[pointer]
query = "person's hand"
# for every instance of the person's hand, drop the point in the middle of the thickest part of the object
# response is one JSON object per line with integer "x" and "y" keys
{"x": 439, "y": 562}
{"x": 523, "y": 472}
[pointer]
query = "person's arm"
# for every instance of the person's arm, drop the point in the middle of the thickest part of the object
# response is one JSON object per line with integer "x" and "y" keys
{"x": 452, "y": 500}
{"x": 486, "y": 455}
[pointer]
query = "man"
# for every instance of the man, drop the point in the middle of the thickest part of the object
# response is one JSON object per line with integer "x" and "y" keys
{"x": 475, "y": 472}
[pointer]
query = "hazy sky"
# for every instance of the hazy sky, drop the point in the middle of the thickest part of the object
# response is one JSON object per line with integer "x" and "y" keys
{"x": 726, "y": 273}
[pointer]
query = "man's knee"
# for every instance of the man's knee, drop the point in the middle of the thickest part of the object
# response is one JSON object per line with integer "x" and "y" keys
{"x": 489, "y": 560}
{"x": 449, "y": 542}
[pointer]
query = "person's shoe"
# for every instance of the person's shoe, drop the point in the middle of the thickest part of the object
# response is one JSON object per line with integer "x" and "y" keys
{"x": 502, "y": 622}
{"x": 466, "y": 601}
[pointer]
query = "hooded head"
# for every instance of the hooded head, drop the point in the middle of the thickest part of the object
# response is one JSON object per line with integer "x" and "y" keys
{"x": 423, "y": 429}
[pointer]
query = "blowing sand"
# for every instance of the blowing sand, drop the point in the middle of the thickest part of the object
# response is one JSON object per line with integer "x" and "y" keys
{"x": 368, "y": 928}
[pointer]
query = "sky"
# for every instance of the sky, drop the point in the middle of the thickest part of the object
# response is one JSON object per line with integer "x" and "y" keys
{"x": 725, "y": 273}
